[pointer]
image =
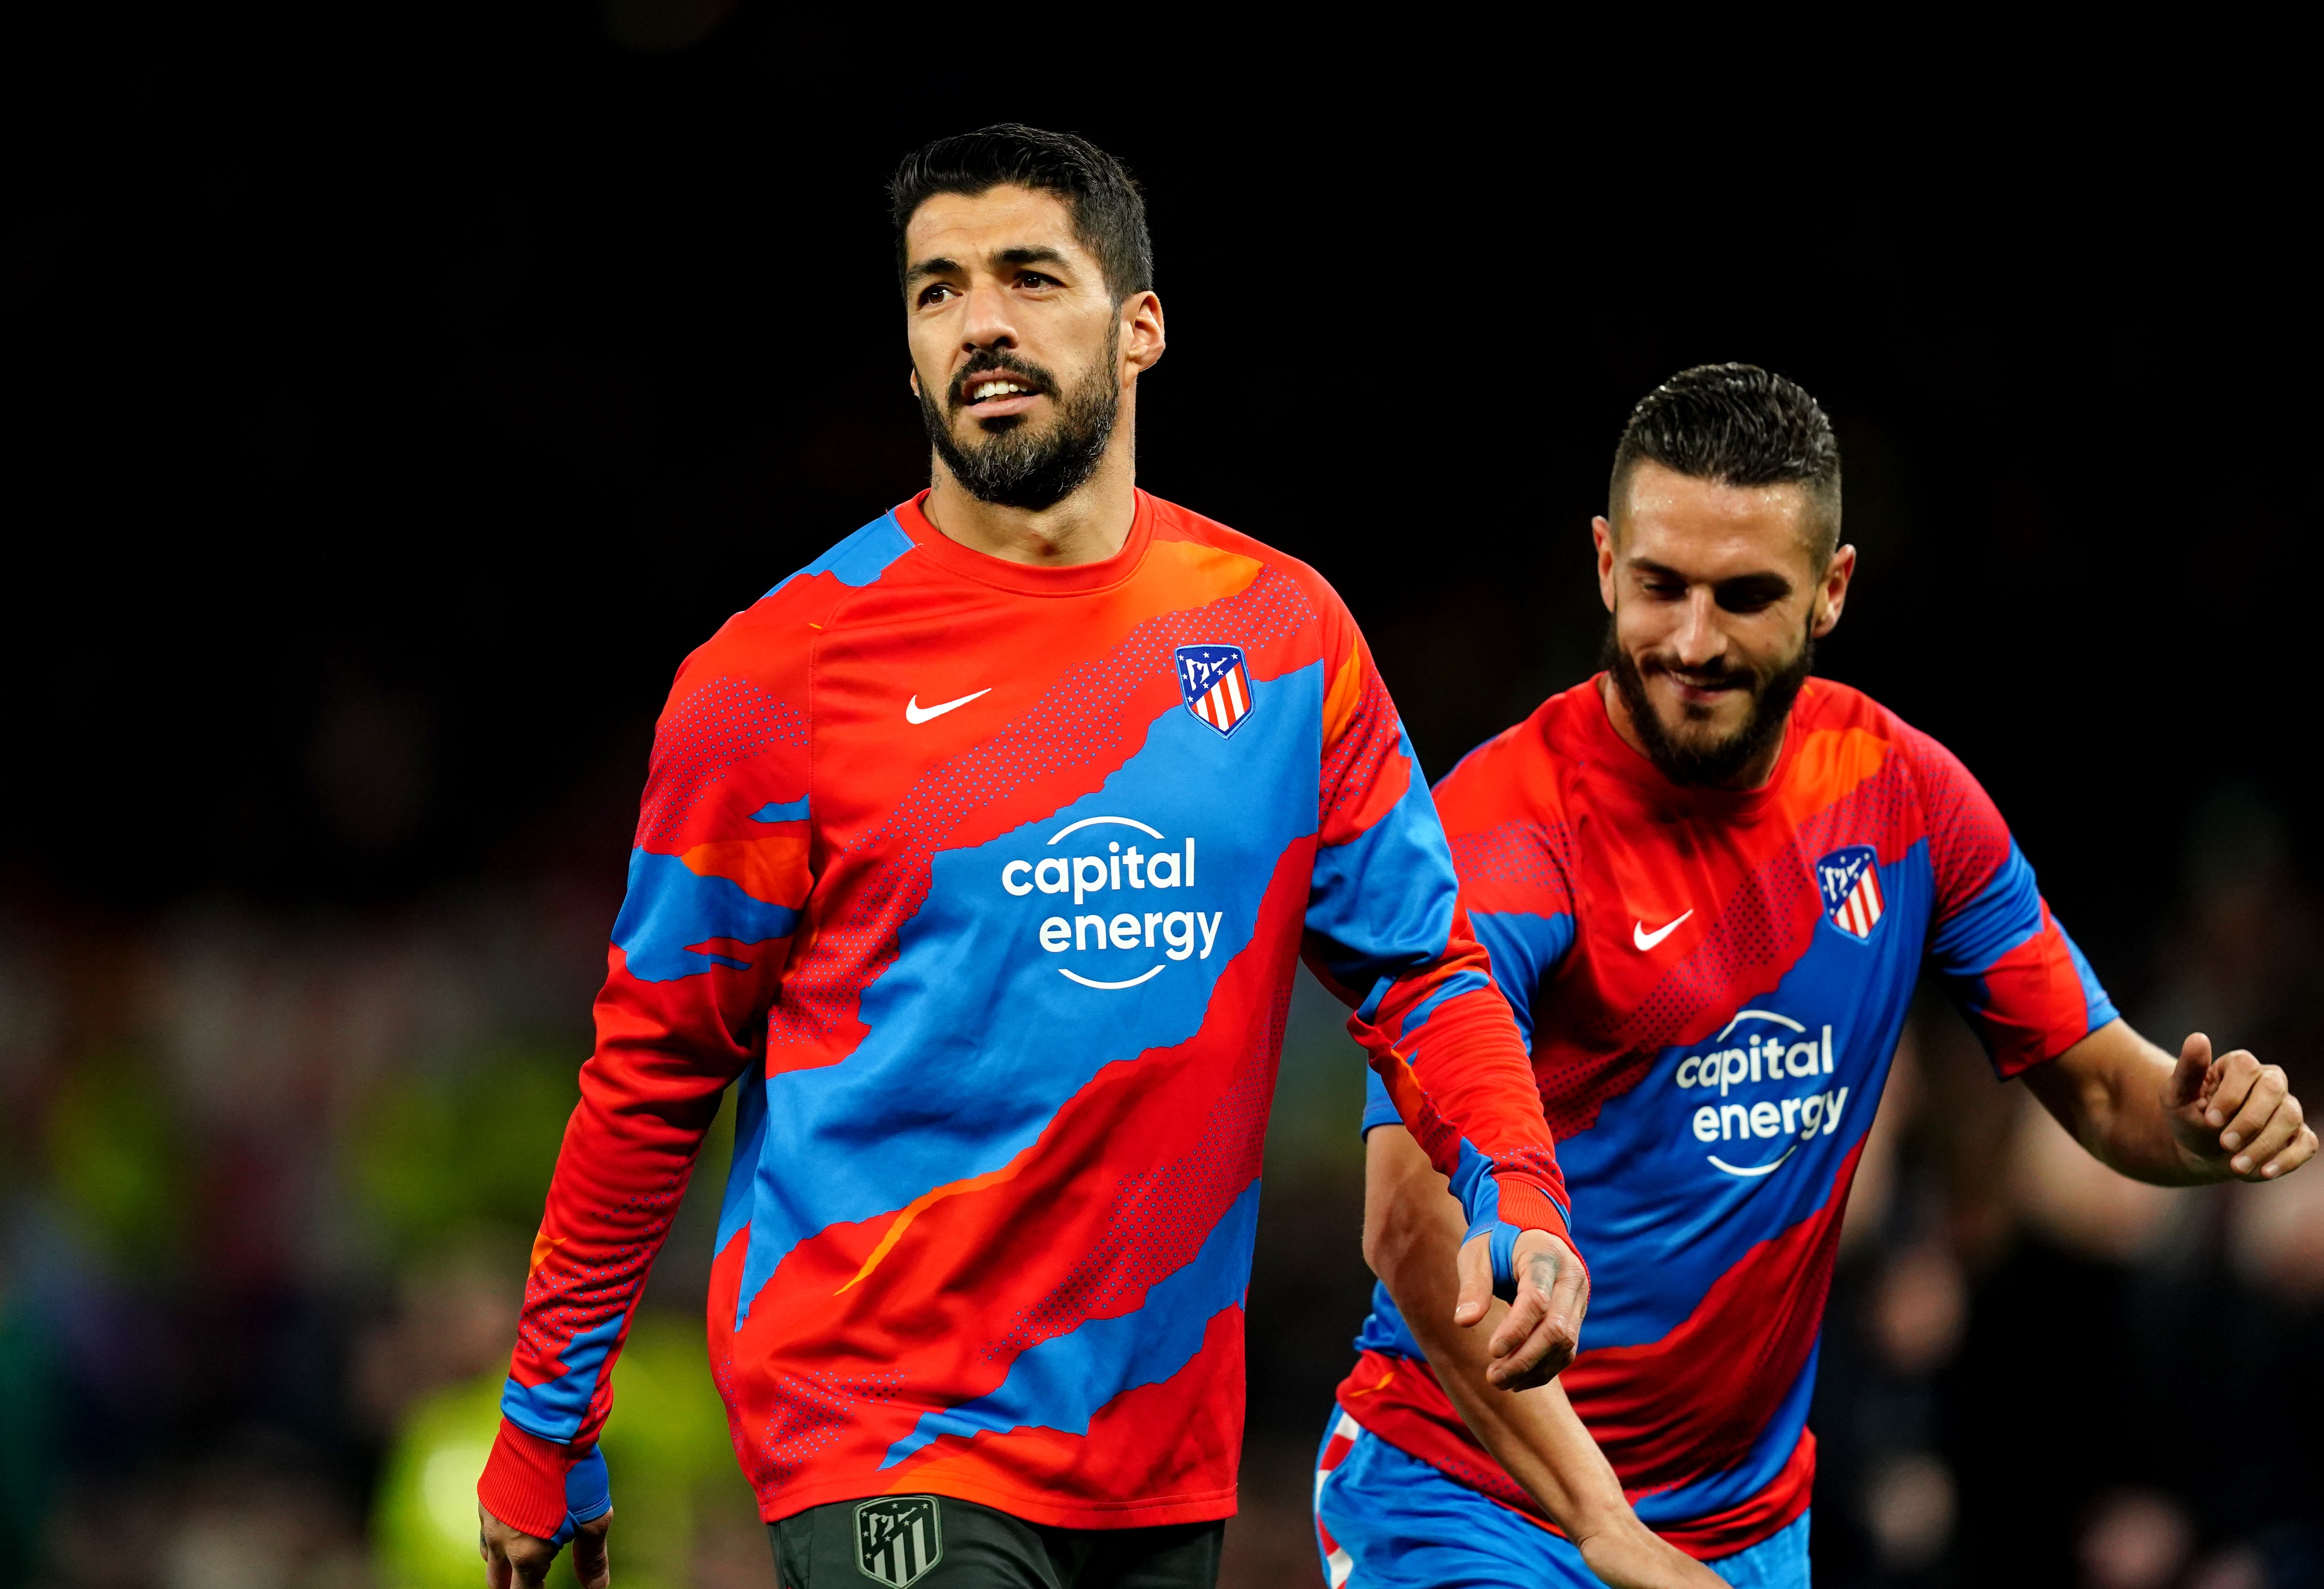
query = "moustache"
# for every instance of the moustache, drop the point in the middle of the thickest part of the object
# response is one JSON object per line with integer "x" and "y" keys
{"x": 992, "y": 362}
{"x": 1720, "y": 676}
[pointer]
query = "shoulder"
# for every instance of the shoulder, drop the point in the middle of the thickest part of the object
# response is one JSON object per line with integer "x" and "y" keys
{"x": 767, "y": 642}
{"x": 1827, "y": 707}
{"x": 1851, "y": 739}
{"x": 851, "y": 565}
{"x": 1519, "y": 775}
{"x": 1174, "y": 524}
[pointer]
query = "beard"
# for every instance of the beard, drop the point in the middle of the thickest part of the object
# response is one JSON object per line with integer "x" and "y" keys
{"x": 1013, "y": 467}
{"x": 1713, "y": 763}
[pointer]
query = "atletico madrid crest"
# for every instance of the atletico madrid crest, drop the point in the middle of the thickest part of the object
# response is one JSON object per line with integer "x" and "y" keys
{"x": 1851, "y": 881}
{"x": 1216, "y": 684}
{"x": 898, "y": 1539}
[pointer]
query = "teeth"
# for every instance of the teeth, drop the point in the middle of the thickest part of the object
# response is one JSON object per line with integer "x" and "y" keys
{"x": 995, "y": 388}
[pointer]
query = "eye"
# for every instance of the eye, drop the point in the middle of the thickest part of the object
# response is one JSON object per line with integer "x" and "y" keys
{"x": 934, "y": 292}
{"x": 1751, "y": 596}
{"x": 1034, "y": 279}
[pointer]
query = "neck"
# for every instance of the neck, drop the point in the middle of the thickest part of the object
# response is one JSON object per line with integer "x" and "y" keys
{"x": 1755, "y": 774}
{"x": 1087, "y": 527}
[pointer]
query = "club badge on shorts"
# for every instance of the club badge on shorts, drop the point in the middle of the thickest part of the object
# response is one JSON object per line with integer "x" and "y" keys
{"x": 1851, "y": 881}
{"x": 898, "y": 1538}
{"x": 1216, "y": 684}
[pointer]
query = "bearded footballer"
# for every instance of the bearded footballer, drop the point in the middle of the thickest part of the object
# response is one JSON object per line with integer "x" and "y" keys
{"x": 1710, "y": 883}
{"x": 981, "y": 851}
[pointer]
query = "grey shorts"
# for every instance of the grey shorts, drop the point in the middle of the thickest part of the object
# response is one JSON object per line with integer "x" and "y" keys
{"x": 934, "y": 1542}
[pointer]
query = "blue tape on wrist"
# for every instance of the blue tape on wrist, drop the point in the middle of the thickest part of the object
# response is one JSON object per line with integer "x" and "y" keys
{"x": 1480, "y": 1197}
{"x": 1501, "y": 1243}
{"x": 589, "y": 1494}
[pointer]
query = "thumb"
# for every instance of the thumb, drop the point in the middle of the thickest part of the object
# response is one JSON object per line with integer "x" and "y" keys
{"x": 2194, "y": 1064}
{"x": 1475, "y": 1268}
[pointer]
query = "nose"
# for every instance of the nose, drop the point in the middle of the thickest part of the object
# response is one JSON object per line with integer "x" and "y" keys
{"x": 987, "y": 323}
{"x": 1699, "y": 641}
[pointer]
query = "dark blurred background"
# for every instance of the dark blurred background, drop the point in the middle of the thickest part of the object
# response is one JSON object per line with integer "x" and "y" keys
{"x": 392, "y": 401}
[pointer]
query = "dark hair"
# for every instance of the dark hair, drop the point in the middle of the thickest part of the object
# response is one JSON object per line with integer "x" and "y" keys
{"x": 1737, "y": 424}
{"x": 1109, "y": 214}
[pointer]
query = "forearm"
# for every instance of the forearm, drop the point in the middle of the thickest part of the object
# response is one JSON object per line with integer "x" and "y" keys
{"x": 1412, "y": 1236}
{"x": 628, "y": 1155}
{"x": 622, "y": 1170}
{"x": 2175, "y": 1123}
{"x": 2111, "y": 1092}
{"x": 1458, "y": 1073}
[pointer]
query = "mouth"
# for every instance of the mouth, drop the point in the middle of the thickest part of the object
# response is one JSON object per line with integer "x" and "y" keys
{"x": 1704, "y": 689}
{"x": 990, "y": 394}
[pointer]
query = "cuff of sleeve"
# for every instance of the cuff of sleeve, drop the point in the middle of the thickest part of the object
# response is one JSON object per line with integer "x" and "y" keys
{"x": 1528, "y": 1207}
{"x": 523, "y": 1482}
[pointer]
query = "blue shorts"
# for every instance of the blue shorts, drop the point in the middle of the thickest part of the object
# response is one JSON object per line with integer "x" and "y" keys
{"x": 1385, "y": 1519}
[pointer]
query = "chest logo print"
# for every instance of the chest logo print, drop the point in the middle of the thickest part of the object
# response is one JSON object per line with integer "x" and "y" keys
{"x": 1851, "y": 881}
{"x": 1646, "y": 940}
{"x": 1085, "y": 877}
{"x": 916, "y": 712}
{"x": 1216, "y": 684}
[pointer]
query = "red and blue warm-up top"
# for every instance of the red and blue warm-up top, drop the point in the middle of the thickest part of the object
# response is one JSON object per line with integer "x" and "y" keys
{"x": 1712, "y": 984}
{"x": 988, "y": 883}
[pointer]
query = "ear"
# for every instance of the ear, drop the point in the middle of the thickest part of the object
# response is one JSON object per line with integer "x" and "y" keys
{"x": 915, "y": 378}
{"x": 1601, "y": 535}
{"x": 1831, "y": 595}
{"x": 1142, "y": 338}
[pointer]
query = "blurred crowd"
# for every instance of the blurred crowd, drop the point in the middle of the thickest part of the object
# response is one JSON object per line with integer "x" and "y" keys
{"x": 266, "y": 1186}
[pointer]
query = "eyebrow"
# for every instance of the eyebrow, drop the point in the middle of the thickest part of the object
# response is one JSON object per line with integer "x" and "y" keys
{"x": 1768, "y": 580}
{"x": 1027, "y": 255}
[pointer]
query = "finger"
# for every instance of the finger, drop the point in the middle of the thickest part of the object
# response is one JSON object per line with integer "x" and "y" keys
{"x": 2229, "y": 1083}
{"x": 591, "y": 1564}
{"x": 1475, "y": 1268}
{"x": 497, "y": 1571}
{"x": 2302, "y": 1149}
{"x": 2194, "y": 1063}
{"x": 1537, "y": 1341}
{"x": 2281, "y": 1130}
{"x": 1540, "y": 1357}
{"x": 1569, "y": 1300}
{"x": 1521, "y": 1343}
{"x": 2260, "y": 1102}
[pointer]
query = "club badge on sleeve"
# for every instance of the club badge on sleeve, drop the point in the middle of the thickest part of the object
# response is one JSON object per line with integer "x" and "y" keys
{"x": 1216, "y": 684}
{"x": 1851, "y": 881}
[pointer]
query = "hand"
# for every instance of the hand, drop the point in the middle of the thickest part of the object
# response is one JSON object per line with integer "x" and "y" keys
{"x": 1538, "y": 1339}
{"x": 512, "y": 1557}
{"x": 2235, "y": 1105}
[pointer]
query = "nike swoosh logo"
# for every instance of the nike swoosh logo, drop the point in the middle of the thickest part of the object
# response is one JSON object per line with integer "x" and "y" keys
{"x": 916, "y": 712}
{"x": 1646, "y": 940}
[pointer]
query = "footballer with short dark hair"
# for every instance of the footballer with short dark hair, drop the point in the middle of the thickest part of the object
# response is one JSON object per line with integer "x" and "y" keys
{"x": 980, "y": 853}
{"x": 1710, "y": 883}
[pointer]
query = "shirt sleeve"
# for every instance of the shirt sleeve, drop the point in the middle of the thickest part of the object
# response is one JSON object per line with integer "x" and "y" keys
{"x": 1517, "y": 885}
{"x": 1387, "y": 933}
{"x": 717, "y": 877}
{"x": 2007, "y": 964}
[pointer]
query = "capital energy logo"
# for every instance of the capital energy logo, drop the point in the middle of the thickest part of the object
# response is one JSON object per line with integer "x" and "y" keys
{"x": 1117, "y": 866}
{"x": 1763, "y": 1053}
